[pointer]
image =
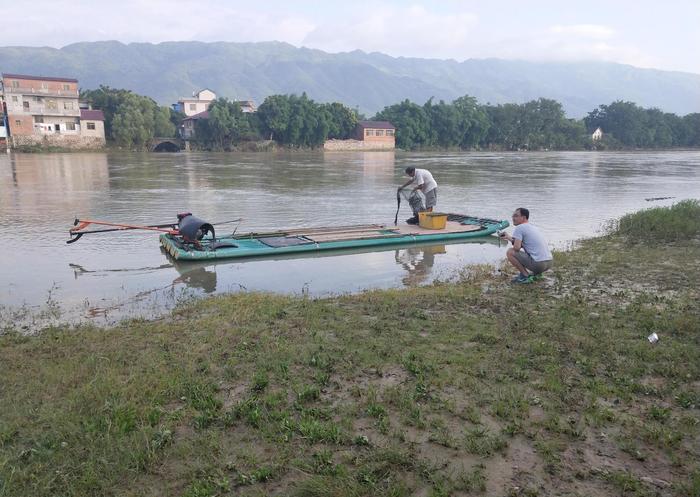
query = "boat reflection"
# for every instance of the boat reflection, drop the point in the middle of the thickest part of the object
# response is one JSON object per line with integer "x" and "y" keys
{"x": 215, "y": 276}
{"x": 418, "y": 262}
{"x": 197, "y": 278}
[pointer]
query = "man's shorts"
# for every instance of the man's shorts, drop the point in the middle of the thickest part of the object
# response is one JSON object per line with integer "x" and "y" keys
{"x": 536, "y": 267}
{"x": 431, "y": 198}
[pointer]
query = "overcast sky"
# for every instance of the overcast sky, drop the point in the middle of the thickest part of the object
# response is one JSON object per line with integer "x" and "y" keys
{"x": 644, "y": 33}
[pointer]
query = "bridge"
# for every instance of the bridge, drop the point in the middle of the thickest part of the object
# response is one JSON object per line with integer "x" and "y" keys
{"x": 166, "y": 145}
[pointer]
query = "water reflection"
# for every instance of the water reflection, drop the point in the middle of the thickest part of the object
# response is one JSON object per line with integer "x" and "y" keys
{"x": 418, "y": 263}
{"x": 198, "y": 278}
{"x": 569, "y": 195}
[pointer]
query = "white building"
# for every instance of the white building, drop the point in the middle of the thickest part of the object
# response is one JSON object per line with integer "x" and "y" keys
{"x": 199, "y": 102}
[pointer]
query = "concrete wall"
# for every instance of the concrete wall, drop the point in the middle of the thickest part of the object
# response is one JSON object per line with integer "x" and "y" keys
{"x": 98, "y": 132}
{"x": 343, "y": 145}
{"x": 58, "y": 140}
{"x": 199, "y": 106}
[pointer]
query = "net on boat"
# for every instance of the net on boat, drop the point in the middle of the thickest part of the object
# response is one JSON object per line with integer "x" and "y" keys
{"x": 415, "y": 199}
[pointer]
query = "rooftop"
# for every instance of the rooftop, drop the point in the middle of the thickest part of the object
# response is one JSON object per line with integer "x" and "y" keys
{"x": 92, "y": 115}
{"x": 38, "y": 78}
{"x": 201, "y": 115}
{"x": 376, "y": 124}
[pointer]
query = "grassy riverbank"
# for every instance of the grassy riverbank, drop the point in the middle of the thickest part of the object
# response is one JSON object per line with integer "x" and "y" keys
{"x": 473, "y": 388}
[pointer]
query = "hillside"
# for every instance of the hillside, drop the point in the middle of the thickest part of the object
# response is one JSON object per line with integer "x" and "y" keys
{"x": 166, "y": 71}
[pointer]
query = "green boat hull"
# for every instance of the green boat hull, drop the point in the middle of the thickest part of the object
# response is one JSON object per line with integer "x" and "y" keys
{"x": 250, "y": 245}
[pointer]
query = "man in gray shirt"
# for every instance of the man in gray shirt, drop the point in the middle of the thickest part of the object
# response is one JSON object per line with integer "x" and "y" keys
{"x": 529, "y": 250}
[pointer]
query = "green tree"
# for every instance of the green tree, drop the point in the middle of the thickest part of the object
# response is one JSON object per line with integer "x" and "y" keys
{"x": 133, "y": 124}
{"x": 224, "y": 125}
{"x": 341, "y": 120}
{"x": 626, "y": 121}
{"x": 692, "y": 130}
{"x": 131, "y": 120}
{"x": 412, "y": 124}
{"x": 444, "y": 125}
{"x": 299, "y": 121}
{"x": 504, "y": 129}
{"x": 274, "y": 114}
{"x": 473, "y": 121}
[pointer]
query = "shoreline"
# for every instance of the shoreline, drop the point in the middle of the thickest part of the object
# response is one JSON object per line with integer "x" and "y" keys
{"x": 449, "y": 389}
{"x": 264, "y": 147}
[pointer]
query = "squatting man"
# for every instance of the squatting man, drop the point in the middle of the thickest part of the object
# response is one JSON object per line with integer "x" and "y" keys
{"x": 529, "y": 250}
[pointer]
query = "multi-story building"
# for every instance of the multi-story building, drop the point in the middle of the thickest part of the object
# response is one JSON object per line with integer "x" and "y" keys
{"x": 197, "y": 108}
{"x": 199, "y": 102}
{"x": 45, "y": 111}
{"x": 3, "y": 122}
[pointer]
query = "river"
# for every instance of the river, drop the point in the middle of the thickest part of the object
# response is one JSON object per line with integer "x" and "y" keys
{"x": 104, "y": 278}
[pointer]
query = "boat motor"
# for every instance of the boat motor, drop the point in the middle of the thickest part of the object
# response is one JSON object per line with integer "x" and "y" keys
{"x": 192, "y": 229}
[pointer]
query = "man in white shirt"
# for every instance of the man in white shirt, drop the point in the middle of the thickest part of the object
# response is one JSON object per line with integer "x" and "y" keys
{"x": 529, "y": 250}
{"x": 423, "y": 181}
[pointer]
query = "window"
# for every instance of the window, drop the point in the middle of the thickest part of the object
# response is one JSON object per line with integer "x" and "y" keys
{"x": 14, "y": 98}
{"x": 70, "y": 126}
{"x": 68, "y": 105}
{"x": 91, "y": 126}
{"x": 18, "y": 122}
{"x": 193, "y": 106}
{"x": 51, "y": 104}
{"x": 44, "y": 86}
{"x": 379, "y": 132}
{"x": 369, "y": 132}
{"x": 38, "y": 119}
{"x": 15, "y": 84}
{"x": 389, "y": 132}
{"x": 66, "y": 87}
{"x": 25, "y": 105}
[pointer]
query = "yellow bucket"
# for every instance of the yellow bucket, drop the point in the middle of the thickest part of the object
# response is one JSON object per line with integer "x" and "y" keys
{"x": 432, "y": 220}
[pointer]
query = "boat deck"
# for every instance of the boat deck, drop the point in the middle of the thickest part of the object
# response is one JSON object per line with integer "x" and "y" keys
{"x": 325, "y": 238}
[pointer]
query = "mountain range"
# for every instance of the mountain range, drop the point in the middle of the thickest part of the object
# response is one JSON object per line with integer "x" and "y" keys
{"x": 366, "y": 81}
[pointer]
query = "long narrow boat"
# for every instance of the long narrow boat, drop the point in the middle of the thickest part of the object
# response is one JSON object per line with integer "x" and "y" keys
{"x": 300, "y": 240}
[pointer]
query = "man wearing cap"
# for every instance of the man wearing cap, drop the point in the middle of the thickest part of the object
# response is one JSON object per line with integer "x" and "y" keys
{"x": 423, "y": 181}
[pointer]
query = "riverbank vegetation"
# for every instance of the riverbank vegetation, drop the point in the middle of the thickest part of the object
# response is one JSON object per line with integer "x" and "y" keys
{"x": 537, "y": 125}
{"x": 131, "y": 121}
{"x": 475, "y": 387}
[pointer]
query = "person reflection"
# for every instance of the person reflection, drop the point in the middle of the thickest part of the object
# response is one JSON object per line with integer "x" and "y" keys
{"x": 418, "y": 262}
{"x": 198, "y": 278}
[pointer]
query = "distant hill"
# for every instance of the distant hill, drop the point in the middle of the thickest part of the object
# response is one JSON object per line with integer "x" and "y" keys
{"x": 369, "y": 81}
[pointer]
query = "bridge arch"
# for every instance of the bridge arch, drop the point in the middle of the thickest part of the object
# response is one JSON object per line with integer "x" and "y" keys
{"x": 165, "y": 145}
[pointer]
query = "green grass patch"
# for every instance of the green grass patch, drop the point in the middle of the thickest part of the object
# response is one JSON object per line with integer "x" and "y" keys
{"x": 681, "y": 221}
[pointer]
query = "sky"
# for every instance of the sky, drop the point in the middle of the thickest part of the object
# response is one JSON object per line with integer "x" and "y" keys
{"x": 643, "y": 33}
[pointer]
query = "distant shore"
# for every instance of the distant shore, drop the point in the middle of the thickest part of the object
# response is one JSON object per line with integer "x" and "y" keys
{"x": 268, "y": 146}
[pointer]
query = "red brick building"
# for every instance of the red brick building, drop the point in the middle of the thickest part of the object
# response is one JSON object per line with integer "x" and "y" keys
{"x": 45, "y": 110}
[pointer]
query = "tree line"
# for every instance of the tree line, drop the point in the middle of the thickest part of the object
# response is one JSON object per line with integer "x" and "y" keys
{"x": 132, "y": 120}
{"x": 536, "y": 125}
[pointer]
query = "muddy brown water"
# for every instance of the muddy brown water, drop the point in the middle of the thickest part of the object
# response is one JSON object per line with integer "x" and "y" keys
{"x": 103, "y": 278}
